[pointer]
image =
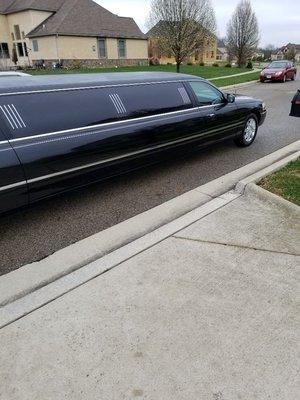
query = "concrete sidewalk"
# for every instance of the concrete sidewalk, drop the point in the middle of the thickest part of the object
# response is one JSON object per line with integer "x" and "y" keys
{"x": 239, "y": 74}
{"x": 208, "y": 314}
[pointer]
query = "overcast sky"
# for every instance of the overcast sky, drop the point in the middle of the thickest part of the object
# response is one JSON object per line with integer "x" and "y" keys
{"x": 279, "y": 20}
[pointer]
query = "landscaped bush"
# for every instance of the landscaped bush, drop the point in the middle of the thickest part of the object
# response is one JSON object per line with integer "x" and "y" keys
{"x": 189, "y": 63}
{"x": 201, "y": 64}
{"x": 215, "y": 65}
{"x": 228, "y": 65}
{"x": 249, "y": 65}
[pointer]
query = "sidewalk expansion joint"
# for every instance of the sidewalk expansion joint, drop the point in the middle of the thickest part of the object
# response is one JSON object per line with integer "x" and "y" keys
{"x": 236, "y": 245}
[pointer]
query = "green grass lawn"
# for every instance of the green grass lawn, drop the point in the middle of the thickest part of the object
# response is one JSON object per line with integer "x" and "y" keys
{"x": 254, "y": 76}
{"x": 285, "y": 183}
{"x": 205, "y": 72}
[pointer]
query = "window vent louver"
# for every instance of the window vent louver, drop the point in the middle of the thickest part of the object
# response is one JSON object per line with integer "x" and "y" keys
{"x": 13, "y": 117}
{"x": 118, "y": 103}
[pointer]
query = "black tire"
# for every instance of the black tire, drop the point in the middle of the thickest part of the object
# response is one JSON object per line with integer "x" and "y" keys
{"x": 293, "y": 78}
{"x": 245, "y": 139}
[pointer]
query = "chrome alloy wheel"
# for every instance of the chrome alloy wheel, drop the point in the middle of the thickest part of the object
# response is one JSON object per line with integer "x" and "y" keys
{"x": 250, "y": 130}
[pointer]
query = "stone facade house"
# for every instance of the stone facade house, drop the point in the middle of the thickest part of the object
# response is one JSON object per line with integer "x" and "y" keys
{"x": 75, "y": 32}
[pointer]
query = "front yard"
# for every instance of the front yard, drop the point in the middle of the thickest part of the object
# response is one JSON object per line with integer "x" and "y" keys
{"x": 207, "y": 72}
{"x": 285, "y": 183}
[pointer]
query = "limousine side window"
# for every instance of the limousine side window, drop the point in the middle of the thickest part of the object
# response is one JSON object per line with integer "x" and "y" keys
{"x": 35, "y": 114}
{"x": 144, "y": 100}
{"x": 206, "y": 94}
{"x": 46, "y": 112}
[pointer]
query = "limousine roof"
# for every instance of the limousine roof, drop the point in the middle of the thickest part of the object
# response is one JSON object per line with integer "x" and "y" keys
{"x": 53, "y": 82}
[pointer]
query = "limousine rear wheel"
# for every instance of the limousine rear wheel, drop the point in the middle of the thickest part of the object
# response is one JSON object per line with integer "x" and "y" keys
{"x": 249, "y": 133}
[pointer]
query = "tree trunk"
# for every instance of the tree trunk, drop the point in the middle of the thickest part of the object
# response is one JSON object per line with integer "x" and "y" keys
{"x": 178, "y": 67}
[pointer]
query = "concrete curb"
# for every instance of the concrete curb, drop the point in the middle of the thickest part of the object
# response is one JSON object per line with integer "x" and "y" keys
{"x": 32, "y": 277}
{"x": 254, "y": 190}
{"x": 239, "y": 85}
{"x": 241, "y": 185}
{"x": 240, "y": 74}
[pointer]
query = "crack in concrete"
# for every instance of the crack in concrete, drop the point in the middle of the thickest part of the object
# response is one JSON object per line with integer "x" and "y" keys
{"x": 236, "y": 245}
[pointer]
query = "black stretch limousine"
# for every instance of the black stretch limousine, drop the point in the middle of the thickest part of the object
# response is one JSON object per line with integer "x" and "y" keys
{"x": 62, "y": 132}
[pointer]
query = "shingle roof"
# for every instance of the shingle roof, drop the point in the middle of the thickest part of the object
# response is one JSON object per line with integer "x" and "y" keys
{"x": 10, "y": 6}
{"x": 87, "y": 18}
{"x": 75, "y": 18}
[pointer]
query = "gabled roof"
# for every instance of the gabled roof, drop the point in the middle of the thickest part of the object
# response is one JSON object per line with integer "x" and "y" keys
{"x": 11, "y": 6}
{"x": 75, "y": 18}
{"x": 290, "y": 45}
{"x": 221, "y": 43}
{"x": 87, "y": 18}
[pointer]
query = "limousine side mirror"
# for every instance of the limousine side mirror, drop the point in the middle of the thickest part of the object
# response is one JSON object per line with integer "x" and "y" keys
{"x": 230, "y": 98}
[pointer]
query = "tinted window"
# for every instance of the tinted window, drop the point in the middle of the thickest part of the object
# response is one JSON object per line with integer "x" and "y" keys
{"x": 154, "y": 99}
{"x": 206, "y": 94}
{"x": 34, "y": 114}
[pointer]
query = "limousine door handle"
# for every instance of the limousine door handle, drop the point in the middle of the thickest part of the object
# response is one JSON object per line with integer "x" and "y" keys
{"x": 211, "y": 115}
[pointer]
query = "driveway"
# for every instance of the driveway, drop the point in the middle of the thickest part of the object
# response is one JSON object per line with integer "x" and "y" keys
{"x": 34, "y": 233}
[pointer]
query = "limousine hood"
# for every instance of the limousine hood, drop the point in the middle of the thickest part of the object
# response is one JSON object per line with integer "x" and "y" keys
{"x": 246, "y": 99}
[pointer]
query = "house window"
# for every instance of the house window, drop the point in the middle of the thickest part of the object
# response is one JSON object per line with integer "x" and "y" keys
{"x": 35, "y": 45}
{"x": 17, "y": 32}
{"x": 212, "y": 54}
{"x": 20, "y": 50}
{"x": 102, "y": 48}
{"x": 12, "y": 36}
{"x": 122, "y": 48}
{"x": 25, "y": 49}
{"x": 4, "y": 51}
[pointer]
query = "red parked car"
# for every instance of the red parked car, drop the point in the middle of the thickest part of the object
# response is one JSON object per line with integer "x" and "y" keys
{"x": 279, "y": 71}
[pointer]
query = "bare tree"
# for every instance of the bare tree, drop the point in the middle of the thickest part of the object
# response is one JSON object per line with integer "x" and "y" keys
{"x": 242, "y": 33}
{"x": 291, "y": 54}
{"x": 181, "y": 26}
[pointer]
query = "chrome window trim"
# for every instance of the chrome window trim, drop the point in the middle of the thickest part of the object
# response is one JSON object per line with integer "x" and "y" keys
{"x": 124, "y": 121}
{"x": 95, "y": 87}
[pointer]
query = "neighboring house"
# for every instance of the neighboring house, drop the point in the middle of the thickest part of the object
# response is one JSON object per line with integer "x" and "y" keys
{"x": 258, "y": 54}
{"x": 282, "y": 52}
{"x": 75, "y": 32}
{"x": 206, "y": 54}
{"x": 222, "y": 53}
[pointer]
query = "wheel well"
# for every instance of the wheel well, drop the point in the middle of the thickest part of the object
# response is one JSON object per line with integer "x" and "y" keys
{"x": 258, "y": 116}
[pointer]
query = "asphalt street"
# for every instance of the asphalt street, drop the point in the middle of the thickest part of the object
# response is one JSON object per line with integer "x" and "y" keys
{"x": 33, "y": 233}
